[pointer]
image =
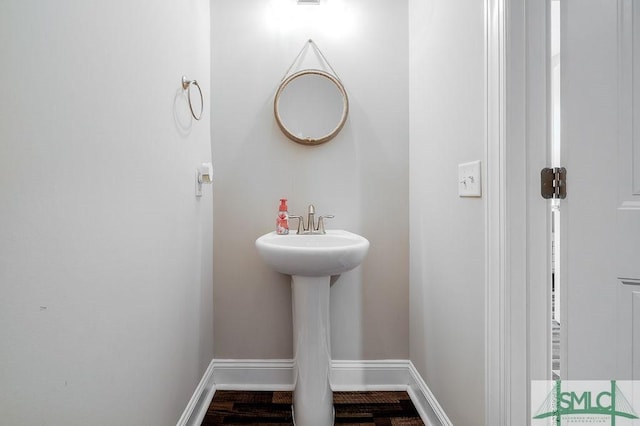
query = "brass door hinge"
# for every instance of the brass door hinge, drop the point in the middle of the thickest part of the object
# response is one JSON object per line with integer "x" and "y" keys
{"x": 553, "y": 182}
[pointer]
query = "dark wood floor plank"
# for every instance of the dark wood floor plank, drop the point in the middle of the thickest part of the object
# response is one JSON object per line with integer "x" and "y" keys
{"x": 274, "y": 409}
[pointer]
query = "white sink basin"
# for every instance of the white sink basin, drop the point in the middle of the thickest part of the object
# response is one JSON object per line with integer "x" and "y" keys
{"x": 332, "y": 253}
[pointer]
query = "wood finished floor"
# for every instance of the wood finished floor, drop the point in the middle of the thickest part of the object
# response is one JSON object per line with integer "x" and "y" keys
{"x": 274, "y": 408}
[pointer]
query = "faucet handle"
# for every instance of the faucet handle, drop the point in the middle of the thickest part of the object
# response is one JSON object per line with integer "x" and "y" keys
{"x": 321, "y": 219}
{"x": 300, "y": 222}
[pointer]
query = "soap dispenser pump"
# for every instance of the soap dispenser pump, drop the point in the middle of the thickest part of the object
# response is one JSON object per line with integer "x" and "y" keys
{"x": 282, "y": 221}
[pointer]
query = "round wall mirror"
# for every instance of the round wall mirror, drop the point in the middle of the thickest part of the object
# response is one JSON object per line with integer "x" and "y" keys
{"x": 311, "y": 107}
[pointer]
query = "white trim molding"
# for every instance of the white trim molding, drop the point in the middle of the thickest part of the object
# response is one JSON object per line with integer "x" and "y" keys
{"x": 199, "y": 403}
{"x": 517, "y": 310}
{"x": 430, "y": 411}
{"x": 346, "y": 375}
{"x": 496, "y": 292}
{"x": 253, "y": 374}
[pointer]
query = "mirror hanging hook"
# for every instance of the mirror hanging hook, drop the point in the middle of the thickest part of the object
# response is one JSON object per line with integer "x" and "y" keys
{"x": 315, "y": 47}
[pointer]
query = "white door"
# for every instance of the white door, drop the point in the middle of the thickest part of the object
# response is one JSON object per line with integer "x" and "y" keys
{"x": 601, "y": 214}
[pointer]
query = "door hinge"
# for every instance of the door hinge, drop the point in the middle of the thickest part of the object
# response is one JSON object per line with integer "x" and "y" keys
{"x": 553, "y": 182}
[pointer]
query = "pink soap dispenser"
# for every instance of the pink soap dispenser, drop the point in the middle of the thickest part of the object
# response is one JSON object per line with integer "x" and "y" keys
{"x": 282, "y": 222}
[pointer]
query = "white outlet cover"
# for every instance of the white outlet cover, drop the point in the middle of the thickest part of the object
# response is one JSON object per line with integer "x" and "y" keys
{"x": 469, "y": 179}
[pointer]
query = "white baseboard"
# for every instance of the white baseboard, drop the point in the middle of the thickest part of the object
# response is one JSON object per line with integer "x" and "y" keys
{"x": 277, "y": 375}
{"x": 380, "y": 375}
{"x": 427, "y": 405}
{"x": 199, "y": 403}
{"x": 253, "y": 374}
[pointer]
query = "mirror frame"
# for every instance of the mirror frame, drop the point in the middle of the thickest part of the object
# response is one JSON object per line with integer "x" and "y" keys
{"x": 308, "y": 140}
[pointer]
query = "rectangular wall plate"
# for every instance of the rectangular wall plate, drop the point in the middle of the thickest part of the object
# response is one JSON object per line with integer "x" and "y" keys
{"x": 469, "y": 179}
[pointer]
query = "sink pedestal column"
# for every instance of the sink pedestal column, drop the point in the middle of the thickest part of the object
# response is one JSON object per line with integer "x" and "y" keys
{"x": 312, "y": 395}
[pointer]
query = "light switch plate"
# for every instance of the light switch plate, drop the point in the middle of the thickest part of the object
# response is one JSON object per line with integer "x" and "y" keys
{"x": 469, "y": 179}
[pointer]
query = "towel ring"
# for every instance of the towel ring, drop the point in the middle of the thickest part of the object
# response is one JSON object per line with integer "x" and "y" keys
{"x": 186, "y": 85}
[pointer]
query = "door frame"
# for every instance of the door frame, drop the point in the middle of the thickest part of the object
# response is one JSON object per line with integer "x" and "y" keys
{"x": 517, "y": 342}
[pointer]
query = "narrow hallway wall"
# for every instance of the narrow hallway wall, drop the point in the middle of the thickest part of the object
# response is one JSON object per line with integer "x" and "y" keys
{"x": 105, "y": 253}
{"x": 447, "y": 110}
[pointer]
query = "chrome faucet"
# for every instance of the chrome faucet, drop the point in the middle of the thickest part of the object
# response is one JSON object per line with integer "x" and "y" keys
{"x": 312, "y": 227}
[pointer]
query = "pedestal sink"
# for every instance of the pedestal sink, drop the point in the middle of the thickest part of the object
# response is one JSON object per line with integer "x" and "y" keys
{"x": 311, "y": 260}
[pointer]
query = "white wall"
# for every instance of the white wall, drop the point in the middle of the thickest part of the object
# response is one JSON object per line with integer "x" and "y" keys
{"x": 447, "y": 232}
{"x": 105, "y": 253}
{"x": 361, "y": 176}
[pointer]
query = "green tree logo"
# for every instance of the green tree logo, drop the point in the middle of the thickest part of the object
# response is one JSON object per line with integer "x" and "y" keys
{"x": 611, "y": 403}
